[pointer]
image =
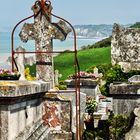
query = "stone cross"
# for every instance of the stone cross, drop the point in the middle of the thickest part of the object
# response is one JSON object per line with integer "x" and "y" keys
{"x": 96, "y": 71}
{"x": 20, "y": 61}
{"x": 56, "y": 77}
{"x": 43, "y": 31}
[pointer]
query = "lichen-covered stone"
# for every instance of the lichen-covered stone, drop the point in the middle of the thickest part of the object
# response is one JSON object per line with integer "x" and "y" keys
{"x": 125, "y": 47}
{"x": 20, "y": 88}
{"x": 134, "y": 133}
{"x": 57, "y": 114}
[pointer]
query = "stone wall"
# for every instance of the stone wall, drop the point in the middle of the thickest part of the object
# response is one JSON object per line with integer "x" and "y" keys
{"x": 20, "y": 108}
{"x": 125, "y": 47}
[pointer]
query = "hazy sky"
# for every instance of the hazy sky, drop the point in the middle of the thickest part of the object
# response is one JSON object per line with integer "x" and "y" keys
{"x": 76, "y": 11}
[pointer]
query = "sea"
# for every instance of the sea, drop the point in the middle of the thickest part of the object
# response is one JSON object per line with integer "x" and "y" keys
{"x": 68, "y": 44}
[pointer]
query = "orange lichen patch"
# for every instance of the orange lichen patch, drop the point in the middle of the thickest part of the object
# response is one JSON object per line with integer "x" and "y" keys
{"x": 7, "y": 83}
{"x": 51, "y": 117}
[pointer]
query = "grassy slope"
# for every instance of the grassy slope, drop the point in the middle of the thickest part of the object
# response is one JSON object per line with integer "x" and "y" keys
{"x": 87, "y": 58}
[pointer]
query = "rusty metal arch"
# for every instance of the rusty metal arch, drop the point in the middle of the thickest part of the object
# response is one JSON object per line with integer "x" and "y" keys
{"x": 76, "y": 63}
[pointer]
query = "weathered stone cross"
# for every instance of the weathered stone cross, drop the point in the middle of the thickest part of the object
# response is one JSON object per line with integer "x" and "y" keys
{"x": 43, "y": 31}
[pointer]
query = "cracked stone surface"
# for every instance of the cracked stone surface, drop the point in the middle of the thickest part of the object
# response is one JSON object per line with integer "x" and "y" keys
{"x": 43, "y": 31}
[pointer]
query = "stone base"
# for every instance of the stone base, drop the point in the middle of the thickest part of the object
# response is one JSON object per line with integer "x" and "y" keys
{"x": 60, "y": 135}
{"x": 34, "y": 132}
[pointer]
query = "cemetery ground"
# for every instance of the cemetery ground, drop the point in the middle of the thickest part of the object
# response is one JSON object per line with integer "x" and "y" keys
{"x": 100, "y": 58}
{"x": 105, "y": 118}
{"x": 115, "y": 126}
{"x": 89, "y": 58}
{"x": 100, "y": 101}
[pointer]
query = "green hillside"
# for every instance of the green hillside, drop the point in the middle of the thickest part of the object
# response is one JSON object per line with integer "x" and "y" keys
{"x": 87, "y": 58}
{"x": 91, "y": 55}
{"x": 136, "y": 25}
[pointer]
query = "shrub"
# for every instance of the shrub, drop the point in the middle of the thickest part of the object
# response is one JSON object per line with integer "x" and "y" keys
{"x": 117, "y": 126}
{"x": 91, "y": 106}
{"x": 100, "y": 44}
{"x": 61, "y": 85}
{"x": 28, "y": 75}
{"x": 112, "y": 74}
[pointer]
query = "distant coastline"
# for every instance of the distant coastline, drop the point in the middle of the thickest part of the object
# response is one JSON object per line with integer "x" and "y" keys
{"x": 5, "y": 44}
{"x": 84, "y": 37}
{"x": 68, "y": 44}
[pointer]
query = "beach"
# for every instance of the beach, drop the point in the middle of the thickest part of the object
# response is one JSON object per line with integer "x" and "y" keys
{"x": 3, "y": 60}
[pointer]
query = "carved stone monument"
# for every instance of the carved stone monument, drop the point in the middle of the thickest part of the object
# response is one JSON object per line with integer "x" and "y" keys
{"x": 125, "y": 47}
{"x": 43, "y": 31}
{"x": 20, "y": 61}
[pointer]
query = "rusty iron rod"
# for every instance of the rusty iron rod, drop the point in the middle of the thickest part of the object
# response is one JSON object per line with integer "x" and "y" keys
{"x": 77, "y": 81}
{"x": 45, "y": 52}
{"x": 76, "y": 64}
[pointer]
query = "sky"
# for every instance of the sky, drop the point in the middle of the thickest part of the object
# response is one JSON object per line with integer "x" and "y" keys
{"x": 75, "y": 11}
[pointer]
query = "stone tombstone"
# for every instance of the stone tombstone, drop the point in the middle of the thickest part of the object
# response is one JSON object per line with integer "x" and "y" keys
{"x": 134, "y": 79}
{"x": 125, "y": 96}
{"x": 125, "y": 47}
{"x": 88, "y": 86}
{"x": 43, "y": 31}
{"x": 56, "y": 77}
{"x": 21, "y": 60}
{"x": 21, "y": 109}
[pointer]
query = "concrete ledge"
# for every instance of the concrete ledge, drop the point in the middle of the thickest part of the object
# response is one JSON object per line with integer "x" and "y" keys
{"x": 22, "y": 88}
{"x": 125, "y": 89}
{"x": 88, "y": 83}
{"x": 19, "y": 99}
